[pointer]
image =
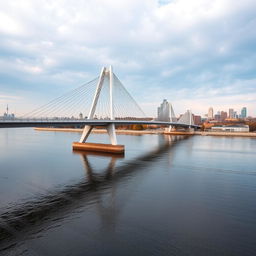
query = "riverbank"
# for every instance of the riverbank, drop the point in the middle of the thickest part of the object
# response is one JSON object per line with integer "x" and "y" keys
{"x": 202, "y": 133}
{"x": 140, "y": 132}
{"x": 128, "y": 132}
{"x": 227, "y": 134}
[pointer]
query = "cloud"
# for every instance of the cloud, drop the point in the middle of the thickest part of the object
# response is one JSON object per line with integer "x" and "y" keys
{"x": 191, "y": 50}
{"x": 8, "y": 97}
{"x": 201, "y": 98}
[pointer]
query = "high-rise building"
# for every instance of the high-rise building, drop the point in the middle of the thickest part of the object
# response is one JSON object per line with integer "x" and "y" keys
{"x": 210, "y": 113}
{"x": 231, "y": 113}
{"x": 217, "y": 117}
{"x": 197, "y": 119}
{"x": 244, "y": 112}
{"x": 165, "y": 112}
{"x": 223, "y": 115}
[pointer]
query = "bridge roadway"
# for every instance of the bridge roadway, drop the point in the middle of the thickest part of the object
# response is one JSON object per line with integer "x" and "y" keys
{"x": 82, "y": 122}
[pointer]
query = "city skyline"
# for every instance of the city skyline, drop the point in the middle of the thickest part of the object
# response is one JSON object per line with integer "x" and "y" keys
{"x": 230, "y": 113}
{"x": 166, "y": 108}
{"x": 191, "y": 59}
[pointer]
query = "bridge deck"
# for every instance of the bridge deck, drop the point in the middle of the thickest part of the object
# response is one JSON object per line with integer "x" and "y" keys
{"x": 95, "y": 122}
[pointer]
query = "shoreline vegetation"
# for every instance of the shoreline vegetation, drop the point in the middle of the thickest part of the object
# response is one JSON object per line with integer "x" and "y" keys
{"x": 155, "y": 131}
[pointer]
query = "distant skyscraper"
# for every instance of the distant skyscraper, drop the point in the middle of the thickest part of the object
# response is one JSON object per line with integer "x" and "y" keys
{"x": 197, "y": 119}
{"x": 217, "y": 117}
{"x": 244, "y": 112}
{"x": 210, "y": 113}
{"x": 165, "y": 112}
{"x": 231, "y": 113}
{"x": 223, "y": 115}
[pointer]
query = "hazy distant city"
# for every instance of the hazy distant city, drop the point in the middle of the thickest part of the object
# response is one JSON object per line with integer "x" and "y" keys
{"x": 231, "y": 120}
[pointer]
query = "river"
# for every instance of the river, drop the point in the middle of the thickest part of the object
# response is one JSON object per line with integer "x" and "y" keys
{"x": 169, "y": 195}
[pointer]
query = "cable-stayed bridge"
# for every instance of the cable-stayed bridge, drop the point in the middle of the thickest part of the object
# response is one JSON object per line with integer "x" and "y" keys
{"x": 103, "y": 101}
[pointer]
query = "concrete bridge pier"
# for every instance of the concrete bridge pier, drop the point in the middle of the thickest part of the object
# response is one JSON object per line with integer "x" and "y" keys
{"x": 169, "y": 129}
{"x": 99, "y": 147}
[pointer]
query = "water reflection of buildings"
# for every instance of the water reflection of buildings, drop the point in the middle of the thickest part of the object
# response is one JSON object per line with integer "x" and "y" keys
{"x": 99, "y": 189}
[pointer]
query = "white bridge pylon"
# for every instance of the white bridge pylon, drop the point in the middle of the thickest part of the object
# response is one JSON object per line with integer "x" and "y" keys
{"x": 105, "y": 73}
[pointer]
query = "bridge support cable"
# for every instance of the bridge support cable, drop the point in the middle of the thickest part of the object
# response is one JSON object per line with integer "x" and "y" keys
{"x": 125, "y": 104}
{"x": 112, "y": 102}
{"x": 63, "y": 106}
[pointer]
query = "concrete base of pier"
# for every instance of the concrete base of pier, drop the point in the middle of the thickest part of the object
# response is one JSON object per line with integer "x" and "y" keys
{"x": 99, "y": 147}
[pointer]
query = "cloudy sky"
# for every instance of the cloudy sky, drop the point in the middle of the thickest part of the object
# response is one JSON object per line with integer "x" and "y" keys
{"x": 195, "y": 53}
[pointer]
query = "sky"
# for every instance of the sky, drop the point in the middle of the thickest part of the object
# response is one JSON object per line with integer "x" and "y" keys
{"x": 194, "y": 53}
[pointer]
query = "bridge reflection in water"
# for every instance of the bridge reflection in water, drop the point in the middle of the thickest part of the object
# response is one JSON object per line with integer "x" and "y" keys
{"x": 27, "y": 220}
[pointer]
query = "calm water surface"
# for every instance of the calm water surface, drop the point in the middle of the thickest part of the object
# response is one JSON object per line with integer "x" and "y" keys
{"x": 167, "y": 196}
